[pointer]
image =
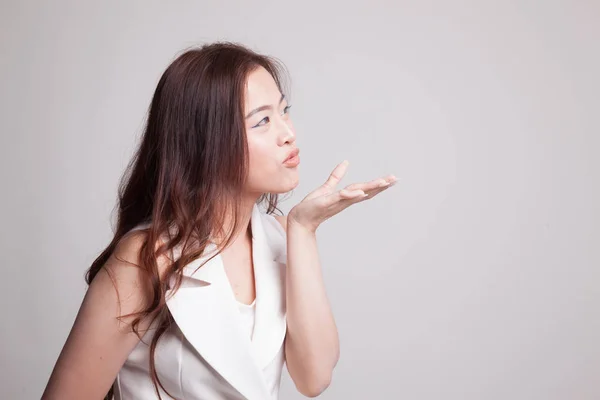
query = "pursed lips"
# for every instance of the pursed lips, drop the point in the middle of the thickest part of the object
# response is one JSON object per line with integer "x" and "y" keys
{"x": 292, "y": 154}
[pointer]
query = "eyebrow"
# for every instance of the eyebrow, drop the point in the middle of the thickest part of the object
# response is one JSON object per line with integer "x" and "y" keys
{"x": 262, "y": 108}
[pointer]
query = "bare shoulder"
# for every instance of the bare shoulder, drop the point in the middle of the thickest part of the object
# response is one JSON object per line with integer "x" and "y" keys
{"x": 125, "y": 259}
{"x": 124, "y": 278}
{"x": 100, "y": 340}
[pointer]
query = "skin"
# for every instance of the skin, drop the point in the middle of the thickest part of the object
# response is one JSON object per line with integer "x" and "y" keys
{"x": 98, "y": 344}
{"x": 312, "y": 344}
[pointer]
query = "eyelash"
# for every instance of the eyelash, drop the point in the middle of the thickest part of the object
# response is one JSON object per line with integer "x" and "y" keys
{"x": 286, "y": 109}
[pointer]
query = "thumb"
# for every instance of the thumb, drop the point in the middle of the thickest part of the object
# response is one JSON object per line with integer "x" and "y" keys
{"x": 336, "y": 175}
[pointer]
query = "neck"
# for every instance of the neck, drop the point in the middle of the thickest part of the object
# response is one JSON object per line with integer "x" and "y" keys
{"x": 247, "y": 205}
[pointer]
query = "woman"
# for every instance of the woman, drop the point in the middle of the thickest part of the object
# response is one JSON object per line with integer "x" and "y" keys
{"x": 226, "y": 293}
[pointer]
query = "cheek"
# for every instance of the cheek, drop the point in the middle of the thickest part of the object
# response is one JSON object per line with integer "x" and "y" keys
{"x": 261, "y": 159}
{"x": 266, "y": 173}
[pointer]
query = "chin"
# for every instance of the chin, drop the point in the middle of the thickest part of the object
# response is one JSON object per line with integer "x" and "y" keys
{"x": 282, "y": 189}
{"x": 275, "y": 184}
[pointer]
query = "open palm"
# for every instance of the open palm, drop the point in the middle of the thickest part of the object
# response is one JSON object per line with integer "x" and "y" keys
{"x": 326, "y": 201}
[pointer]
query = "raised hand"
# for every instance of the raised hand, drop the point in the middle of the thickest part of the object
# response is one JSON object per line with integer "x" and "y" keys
{"x": 326, "y": 201}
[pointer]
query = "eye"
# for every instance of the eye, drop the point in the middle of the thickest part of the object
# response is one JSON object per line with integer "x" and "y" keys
{"x": 286, "y": 109}
{"x": 262, "y": 122}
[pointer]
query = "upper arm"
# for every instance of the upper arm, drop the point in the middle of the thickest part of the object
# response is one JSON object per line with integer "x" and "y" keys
{"x": 99, "y": 343}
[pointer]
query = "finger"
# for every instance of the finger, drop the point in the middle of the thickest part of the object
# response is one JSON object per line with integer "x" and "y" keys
{"x": 372, "y": 193}
{"x": 336, "y": 175}
{"x": 360, "y": 191}
{"x": 391, "y": 179}
{"x": 367, "y": 186}
{"x": 351, "y": 194}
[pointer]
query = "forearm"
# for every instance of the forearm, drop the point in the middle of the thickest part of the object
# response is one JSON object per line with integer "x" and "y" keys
{"x": 312, "y": 344}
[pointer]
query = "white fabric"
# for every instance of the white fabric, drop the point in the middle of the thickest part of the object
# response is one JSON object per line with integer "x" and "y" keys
{"x": 272, "y": 371}
{"x": 247, "y": 312}
{"x": 219, "y": 349}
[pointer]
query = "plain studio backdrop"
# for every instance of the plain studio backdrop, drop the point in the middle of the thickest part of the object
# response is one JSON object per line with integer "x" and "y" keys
{"x": 475, "y": 277}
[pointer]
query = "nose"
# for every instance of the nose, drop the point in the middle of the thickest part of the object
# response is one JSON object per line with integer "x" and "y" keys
{"x": 286, "y": 132}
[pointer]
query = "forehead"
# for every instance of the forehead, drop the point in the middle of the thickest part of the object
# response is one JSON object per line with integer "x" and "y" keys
{"x": 261, "y": 89}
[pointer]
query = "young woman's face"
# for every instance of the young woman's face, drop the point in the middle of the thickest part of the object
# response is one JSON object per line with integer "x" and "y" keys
{"x": 271, "y": 136}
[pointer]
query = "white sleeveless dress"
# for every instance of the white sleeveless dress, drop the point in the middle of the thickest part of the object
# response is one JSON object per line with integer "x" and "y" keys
{"x": 219, "y": 348}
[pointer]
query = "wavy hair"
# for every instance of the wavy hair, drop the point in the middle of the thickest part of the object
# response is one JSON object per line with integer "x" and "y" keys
{"x": 188, "y": 171}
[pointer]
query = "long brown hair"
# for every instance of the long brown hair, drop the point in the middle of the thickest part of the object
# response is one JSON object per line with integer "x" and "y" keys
{"x": 189, "y": 170}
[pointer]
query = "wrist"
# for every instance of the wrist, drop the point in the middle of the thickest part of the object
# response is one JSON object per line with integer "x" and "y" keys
{"x": 296, "y": 223}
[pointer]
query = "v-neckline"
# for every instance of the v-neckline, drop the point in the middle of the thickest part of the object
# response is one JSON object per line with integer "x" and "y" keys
{"x": 251, "y": 228}
{"x": 217, "y": 300}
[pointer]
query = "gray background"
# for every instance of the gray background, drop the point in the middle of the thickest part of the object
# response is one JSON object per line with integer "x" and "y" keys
{"x": 475, "y": 277}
